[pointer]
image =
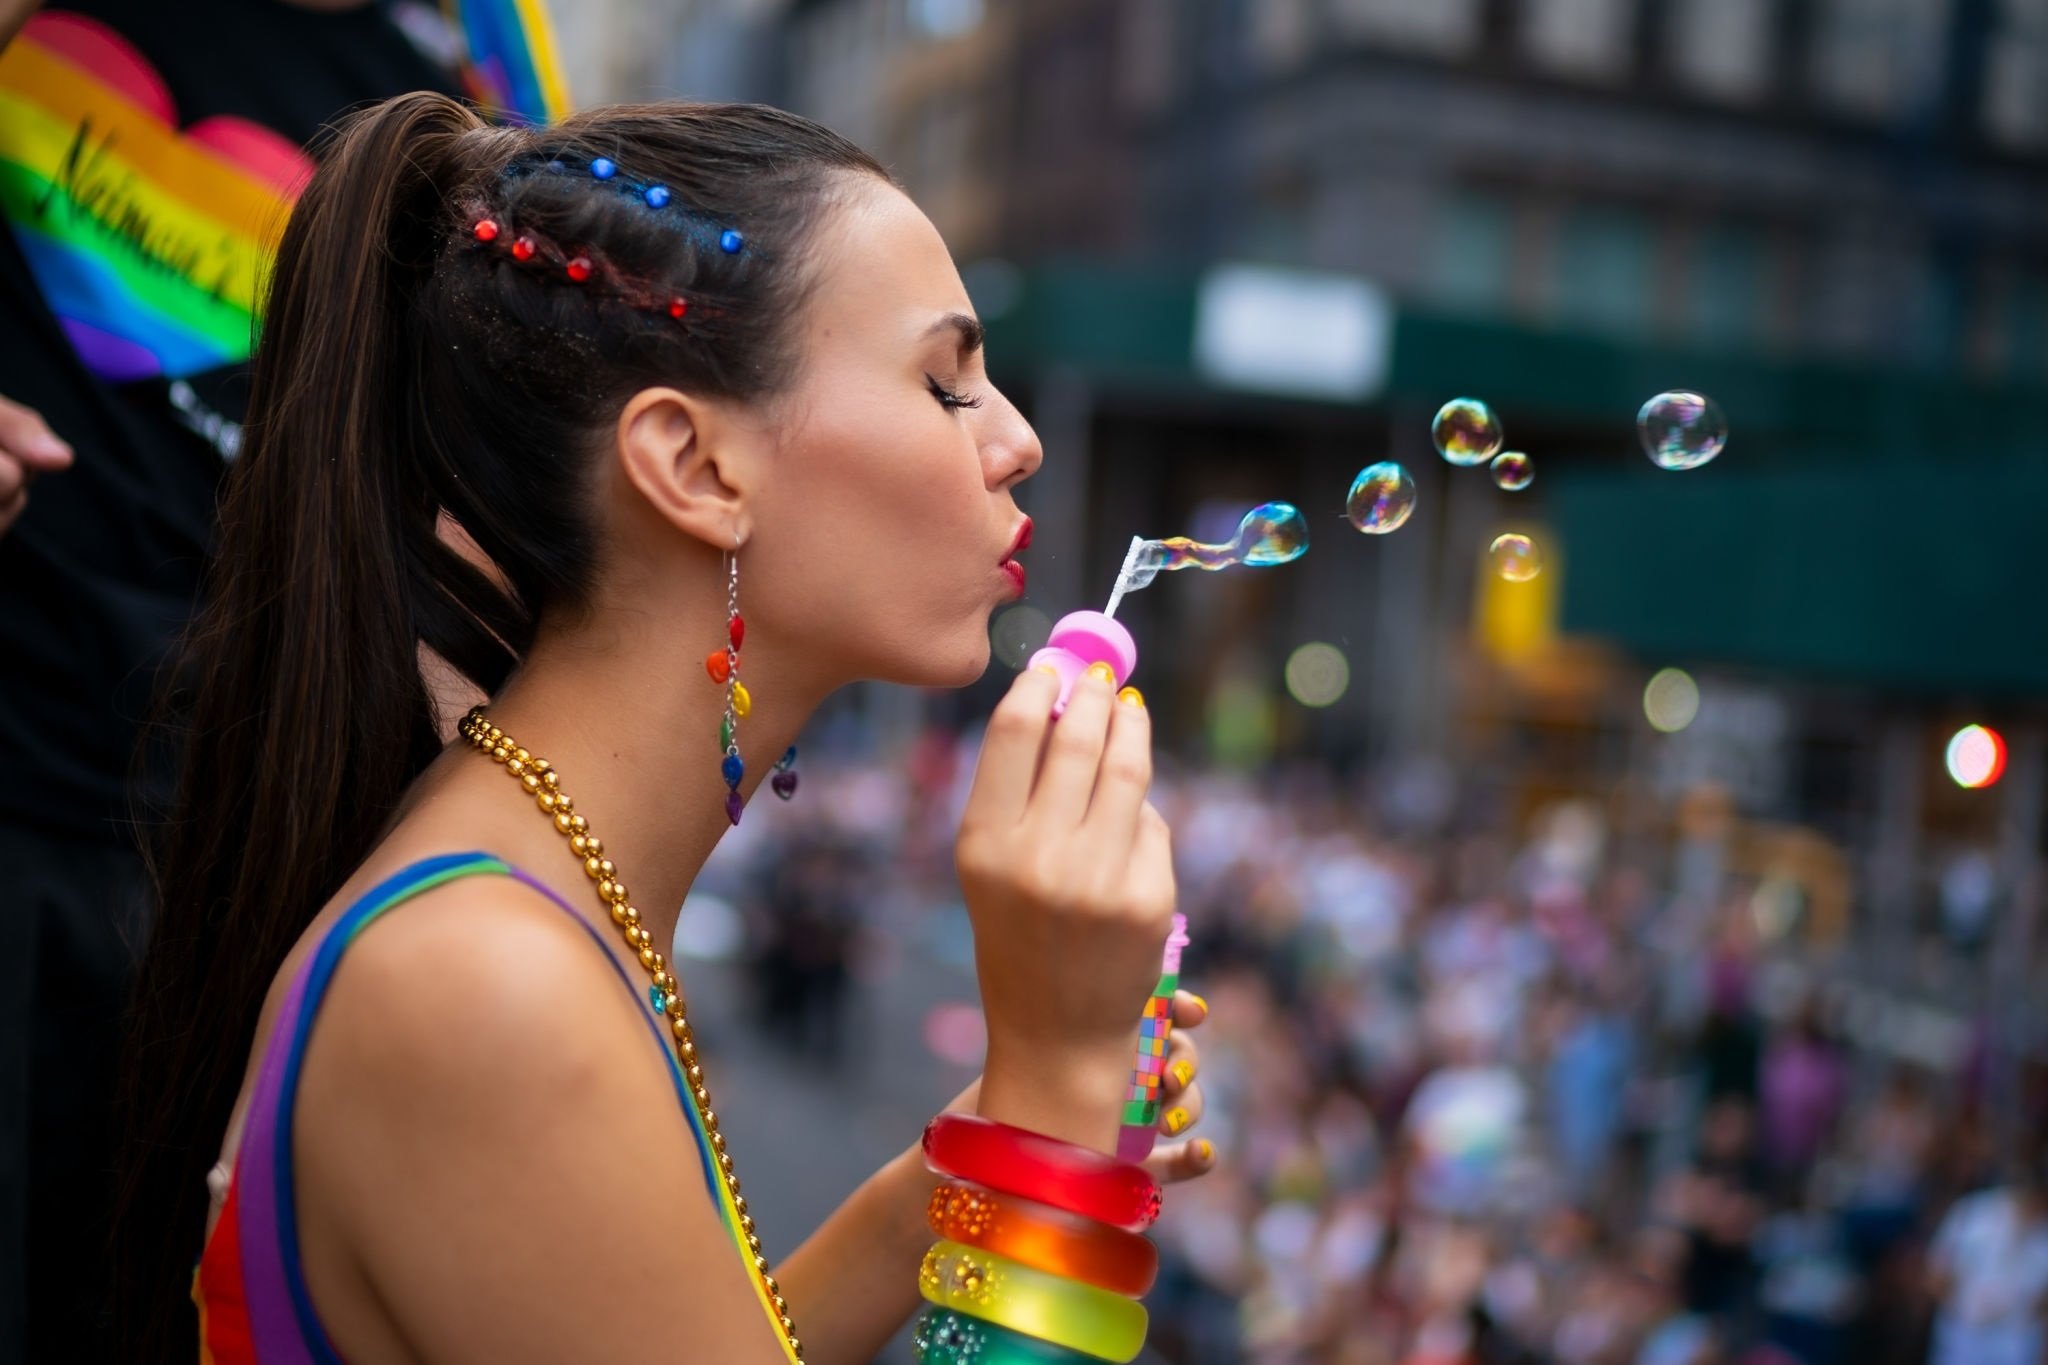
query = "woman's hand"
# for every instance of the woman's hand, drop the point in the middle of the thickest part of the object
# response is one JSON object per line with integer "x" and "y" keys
{"x": 1170, "y": 1162}
{"x": 1067, "y": 872}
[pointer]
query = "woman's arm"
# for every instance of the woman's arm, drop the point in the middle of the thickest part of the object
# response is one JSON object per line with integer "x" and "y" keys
{"x": 853, "y": 1283}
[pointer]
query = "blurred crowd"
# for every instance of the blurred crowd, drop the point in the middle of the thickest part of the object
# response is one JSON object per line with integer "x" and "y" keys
{"x": 1485, "y": 1100}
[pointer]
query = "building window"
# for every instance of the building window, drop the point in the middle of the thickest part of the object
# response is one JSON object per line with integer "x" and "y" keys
{"x": 1474, "y": 254}
{"x": 1606, "y": 271}
{"x": 1586, "y": 39}
{"x": 2016, "y": 75}
{"x": 1447, "y": 28}
{"x": 1725, "y": 288}
{"x": 1722, "y": 48}
{"x": 944, "y": 18}
{"x": 1879, "y": 59}
{"x": 1280, "y": 33}
{"x": 1146, "y": 65}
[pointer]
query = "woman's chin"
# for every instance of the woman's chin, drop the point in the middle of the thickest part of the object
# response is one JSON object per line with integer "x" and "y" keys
{"x": 958, "y": 666}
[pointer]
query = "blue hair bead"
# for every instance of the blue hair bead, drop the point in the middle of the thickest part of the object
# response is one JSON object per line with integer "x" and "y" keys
{"x": 730, "y": 242}
{"x": 556, "y": 166}
{"x": 657, "y": 196}
{"x": 733, "y": 769}
{"x": 604, "y": 168}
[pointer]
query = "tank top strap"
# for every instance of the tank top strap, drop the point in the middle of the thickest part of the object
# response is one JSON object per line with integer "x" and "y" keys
{"x": 281, "y": 1317}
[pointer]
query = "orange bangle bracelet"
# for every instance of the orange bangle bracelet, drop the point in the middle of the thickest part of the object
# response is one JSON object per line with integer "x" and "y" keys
{"x": 1044, "y": 1238}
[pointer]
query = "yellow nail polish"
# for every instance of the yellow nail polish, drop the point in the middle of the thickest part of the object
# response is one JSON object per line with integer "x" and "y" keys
{"x": 1205, "y": 1151}
{"x": 1183, "y": 1072}
{"x": 1177, "y": 1120}
{"x": 1102, "y": 672}
{"x": 1046, "y": 669}
{"x": 1203, "y": 1003}
{"x": 1131, "y": 696}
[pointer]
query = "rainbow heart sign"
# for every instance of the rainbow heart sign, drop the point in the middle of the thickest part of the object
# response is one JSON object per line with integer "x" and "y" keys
{"x": 148, "y": 239}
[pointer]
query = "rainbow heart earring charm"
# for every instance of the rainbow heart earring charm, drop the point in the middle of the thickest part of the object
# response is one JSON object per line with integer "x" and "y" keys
{"x": 723, "y": 664}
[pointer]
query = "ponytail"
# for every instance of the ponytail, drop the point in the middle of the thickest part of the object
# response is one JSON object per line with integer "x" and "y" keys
{"x": 410, "y": 371}
{"x": 306, "y": 715}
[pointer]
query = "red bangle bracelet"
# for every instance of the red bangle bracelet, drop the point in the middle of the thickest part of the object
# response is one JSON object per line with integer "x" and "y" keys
{"x": 1044, "y": 1238}
{"x": 1033, "y": 1166}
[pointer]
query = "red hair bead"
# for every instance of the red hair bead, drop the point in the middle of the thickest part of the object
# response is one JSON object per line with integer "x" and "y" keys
{"x": 737, "y": 629}
{"x": 523, "y": 249}
{"x": 677, "y": 307}
{"x": 579, "y": 268}
{"x": 486, "y": 229}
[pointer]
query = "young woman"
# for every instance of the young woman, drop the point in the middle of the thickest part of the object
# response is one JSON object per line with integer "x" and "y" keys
{"x": 662, "y": 366}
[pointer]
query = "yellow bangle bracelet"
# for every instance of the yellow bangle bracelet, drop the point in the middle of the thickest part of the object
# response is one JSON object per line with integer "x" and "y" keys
{"x": 1067, "y": 1313}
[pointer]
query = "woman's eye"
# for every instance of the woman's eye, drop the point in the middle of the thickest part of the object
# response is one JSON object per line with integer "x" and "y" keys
{"x": 948, "y": 398}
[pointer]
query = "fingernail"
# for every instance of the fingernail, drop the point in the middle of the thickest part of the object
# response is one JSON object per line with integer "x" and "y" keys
{"x": 1102, "y": 672}
{"x": 1205, "y": 1151}
{"x": 1176, "y": 1120}
{"x": 1131, "y": 696}
{"x": 1046, "y": 669}
{"x": 1183, "y": 1072}
{"x": 50, "y": 447}
{"x": 1203, "y": 1003}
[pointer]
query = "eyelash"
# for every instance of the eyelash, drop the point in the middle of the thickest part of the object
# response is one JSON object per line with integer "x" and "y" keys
{"x": 947, "y": 398}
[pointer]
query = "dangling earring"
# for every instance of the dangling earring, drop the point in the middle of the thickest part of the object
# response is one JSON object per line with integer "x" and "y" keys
{"x": 784, "y": 781}
{"x": 723, "y": 664}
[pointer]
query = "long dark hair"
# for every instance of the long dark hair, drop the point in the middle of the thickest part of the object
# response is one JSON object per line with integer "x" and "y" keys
{"x": 413, "y": 367}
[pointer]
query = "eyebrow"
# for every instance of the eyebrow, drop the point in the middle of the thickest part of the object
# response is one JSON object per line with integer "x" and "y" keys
{"x": 971, "y": 331}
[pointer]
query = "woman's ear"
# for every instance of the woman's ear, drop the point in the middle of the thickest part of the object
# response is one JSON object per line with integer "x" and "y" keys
{"x": 689, "y": 462}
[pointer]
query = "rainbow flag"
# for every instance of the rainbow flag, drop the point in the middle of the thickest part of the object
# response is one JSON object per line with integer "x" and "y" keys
{"x": 513, "y": 72}
{"x": 149, "y": 237}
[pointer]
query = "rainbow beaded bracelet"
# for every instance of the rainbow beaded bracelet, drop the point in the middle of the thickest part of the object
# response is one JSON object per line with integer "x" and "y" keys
{"x": 1033, "y": 1166}
{"x": 1066, "y": 1313}
{"x": 944, "y": 1337}
{"x": 1044, "y": 1238}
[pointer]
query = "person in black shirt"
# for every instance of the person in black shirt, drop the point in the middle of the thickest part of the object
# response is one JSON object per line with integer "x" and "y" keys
{"x": 155, "y": 134}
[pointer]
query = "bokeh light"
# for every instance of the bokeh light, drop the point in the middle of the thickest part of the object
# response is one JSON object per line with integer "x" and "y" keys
{"x": 1515, "y": 557}
{"x": 1976, "y": 756}
{"x": 1671, "y": 700}
{"x": 955, "y": 1032}
{"x": 1681, "y": 429}
{"x": 1466, "y": 432}
{"x": 1318, "y": 674}
{"x": 1381, "y": 498}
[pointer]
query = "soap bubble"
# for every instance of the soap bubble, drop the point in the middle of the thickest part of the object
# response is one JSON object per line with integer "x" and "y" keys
{"x": 1466, "y": 432}
{"x": 1513, "y": 470}
{"x": 1271, "y": 533}
{"x": 1382, "y": 496}
{"x": 1514, "y": 557}
{"x": 1017, "y": 633}
{"x": 1682, "y": 429}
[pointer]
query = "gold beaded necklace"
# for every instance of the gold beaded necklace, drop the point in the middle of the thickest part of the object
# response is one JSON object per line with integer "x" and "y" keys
{"x": 665, "y": 994}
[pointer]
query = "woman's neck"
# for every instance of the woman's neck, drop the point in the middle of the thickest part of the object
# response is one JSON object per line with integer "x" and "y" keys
{"x": 632, "y": 728}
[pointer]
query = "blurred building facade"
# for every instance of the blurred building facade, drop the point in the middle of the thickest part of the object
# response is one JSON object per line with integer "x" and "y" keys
{"x": 1232, "y": 250}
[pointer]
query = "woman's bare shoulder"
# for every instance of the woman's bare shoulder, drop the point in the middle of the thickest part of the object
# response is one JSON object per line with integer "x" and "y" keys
{"x": 486, "y": 1129}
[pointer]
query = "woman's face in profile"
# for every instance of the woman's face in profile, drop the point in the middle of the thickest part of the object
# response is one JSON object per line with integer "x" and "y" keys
{"x": 886, "y": 519}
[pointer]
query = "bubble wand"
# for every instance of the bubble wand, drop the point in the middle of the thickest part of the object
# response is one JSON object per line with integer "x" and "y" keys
{"x": 1271, "y": 533}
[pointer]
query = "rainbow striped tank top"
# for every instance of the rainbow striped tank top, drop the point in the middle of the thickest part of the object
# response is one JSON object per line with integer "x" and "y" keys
{"x": 254, "y": 1306}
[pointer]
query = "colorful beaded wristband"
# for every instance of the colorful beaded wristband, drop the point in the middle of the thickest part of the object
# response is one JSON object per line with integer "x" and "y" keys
{"x": 1044, "y": 1238}
{"x": 1032, "y": 1166}
{"x": 944, "y": 1337}
{"x": 1066, "y": 1313}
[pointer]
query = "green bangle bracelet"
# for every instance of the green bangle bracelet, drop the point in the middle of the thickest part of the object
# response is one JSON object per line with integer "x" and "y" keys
{"x": 944, "y": 1337}
{"x": 1010, "y": 1294}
